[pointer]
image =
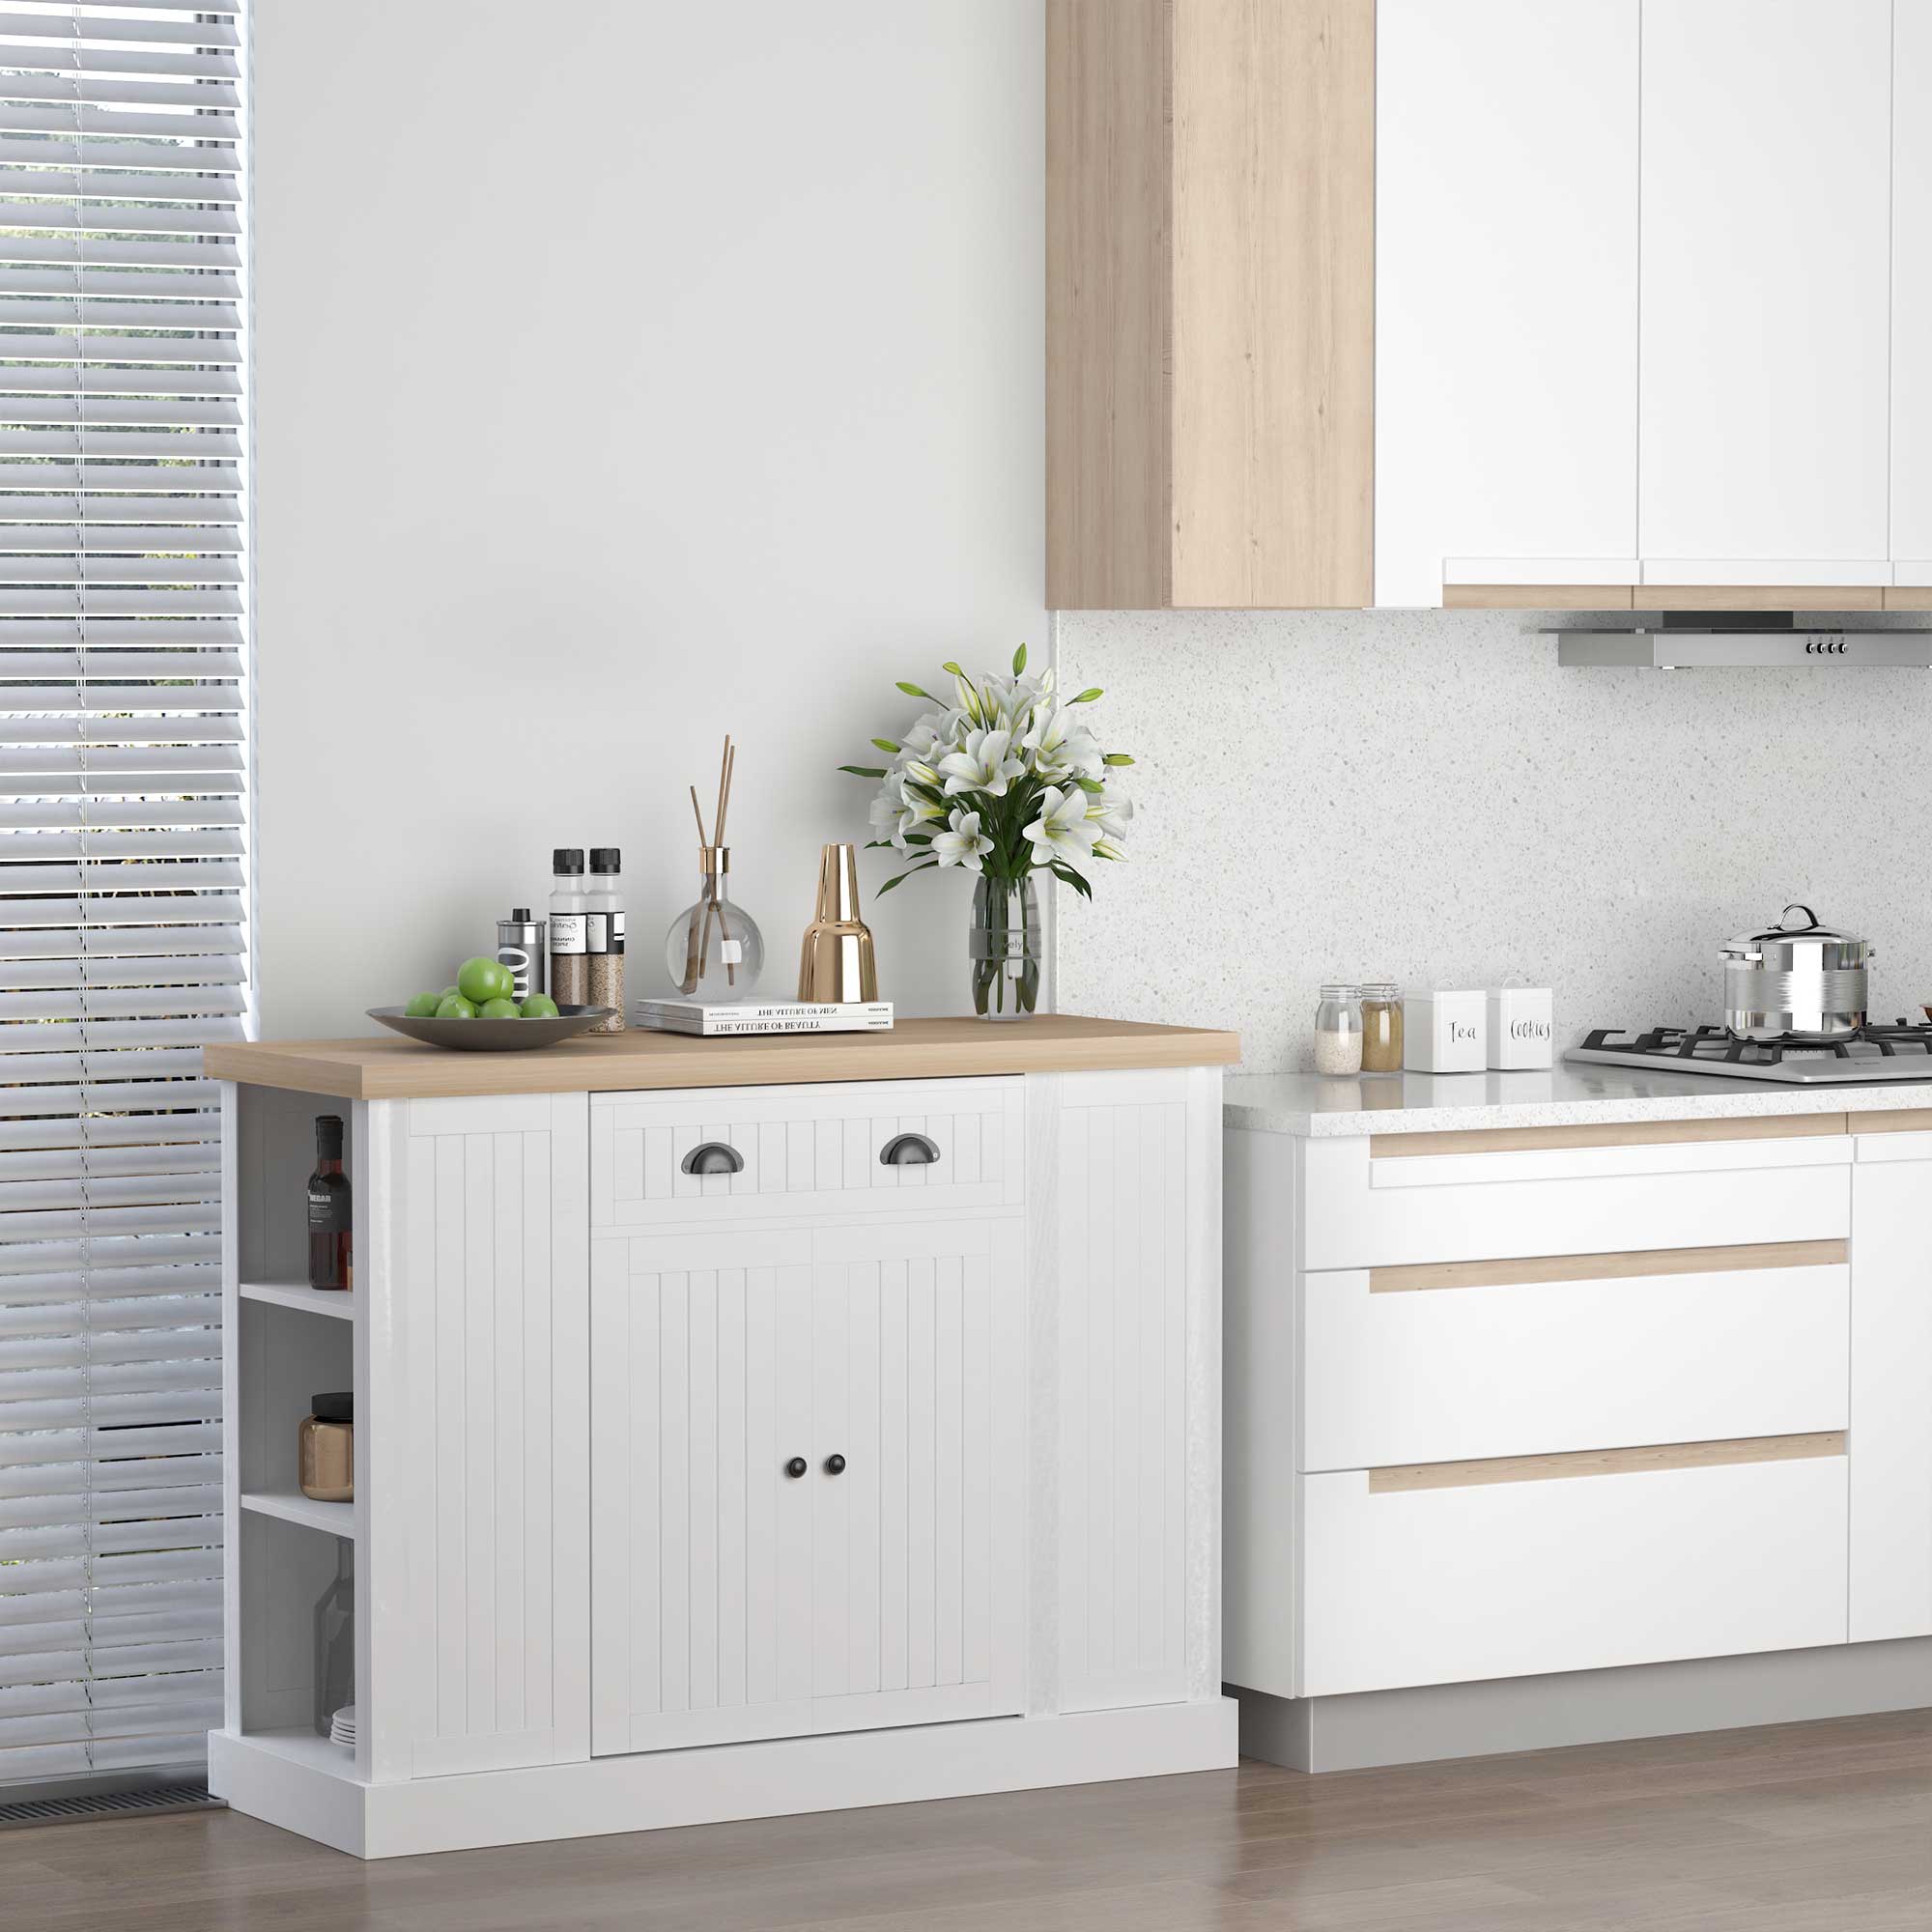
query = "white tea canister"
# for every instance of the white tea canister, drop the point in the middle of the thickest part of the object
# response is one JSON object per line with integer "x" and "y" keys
{"x": 1444, "y": 1031}
{"x": 1522, "y": 1028}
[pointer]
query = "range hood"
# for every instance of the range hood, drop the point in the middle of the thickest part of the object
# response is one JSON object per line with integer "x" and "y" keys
{"x": 1706, "y": 640}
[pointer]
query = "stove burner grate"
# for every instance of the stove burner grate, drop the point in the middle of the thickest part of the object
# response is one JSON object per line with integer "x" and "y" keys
{"x": 1715, "y": 1042}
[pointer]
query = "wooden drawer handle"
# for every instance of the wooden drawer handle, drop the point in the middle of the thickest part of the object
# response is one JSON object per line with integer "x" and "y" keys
{"x": 1606, "y": 1134}
{"x": 1628, "y": 1265}
{"x": 713, "y": 1158}
{"x": 1605, "y": 1462}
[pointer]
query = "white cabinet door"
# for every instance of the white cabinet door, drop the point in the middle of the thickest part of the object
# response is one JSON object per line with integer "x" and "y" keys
{"x": 1765, "y": 270}
{"x": 700, "y": 1541}
{"x": 1506, "y": 258}
{"x": 1891, "y": 1374}
{"x": 917, "y": 1361}
{"x": 1912, "y": 293}
{"x": 880, "y": 1584}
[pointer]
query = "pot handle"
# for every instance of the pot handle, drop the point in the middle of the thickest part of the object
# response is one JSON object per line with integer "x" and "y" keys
{"x": 1811, "y": 918}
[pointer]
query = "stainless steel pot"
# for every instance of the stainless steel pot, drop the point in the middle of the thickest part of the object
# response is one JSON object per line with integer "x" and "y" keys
{"x": 1799, "y": 980}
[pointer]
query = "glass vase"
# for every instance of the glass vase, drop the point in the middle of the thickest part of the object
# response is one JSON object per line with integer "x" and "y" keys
{"x": 714, "y": 950}
{"x": 1004, "y": 945}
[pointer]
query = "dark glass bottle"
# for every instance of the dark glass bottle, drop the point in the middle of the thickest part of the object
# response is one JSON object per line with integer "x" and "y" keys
{"x": 328, "y": 1213}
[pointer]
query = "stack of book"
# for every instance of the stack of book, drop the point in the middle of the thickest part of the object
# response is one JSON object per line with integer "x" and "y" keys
{"x": 715, "y": 1019}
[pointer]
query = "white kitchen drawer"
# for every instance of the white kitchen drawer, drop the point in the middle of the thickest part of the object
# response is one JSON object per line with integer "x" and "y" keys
{"x": 1441, "y": 1365}
{"x": 1575, "y": 1573}
{"x": 1364, "y": 1212}
{"x": 806, "y": 1150}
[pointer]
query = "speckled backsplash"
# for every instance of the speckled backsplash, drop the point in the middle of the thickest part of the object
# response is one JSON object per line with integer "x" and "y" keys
{"x": 1424, "y": 796}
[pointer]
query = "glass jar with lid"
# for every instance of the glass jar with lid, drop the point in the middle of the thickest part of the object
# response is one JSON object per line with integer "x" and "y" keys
{"x": 1381, "y": 1028}
{"x": 1338, "y": 1031}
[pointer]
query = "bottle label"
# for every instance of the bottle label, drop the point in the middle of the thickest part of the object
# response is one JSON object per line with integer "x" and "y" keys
{"x": 731, "y": 951}
{"x": 327, "y": 1210}
{"x": 604, "y": 931}
{"x": 567, "y": 932}
{"x": 519, "y": 960}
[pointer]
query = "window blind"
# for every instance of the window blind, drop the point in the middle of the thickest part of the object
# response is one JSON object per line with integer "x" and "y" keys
{"x": 125, "y": 903}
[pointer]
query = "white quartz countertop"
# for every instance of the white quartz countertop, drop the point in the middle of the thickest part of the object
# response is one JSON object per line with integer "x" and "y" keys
{"x": 1567, "y": 1095}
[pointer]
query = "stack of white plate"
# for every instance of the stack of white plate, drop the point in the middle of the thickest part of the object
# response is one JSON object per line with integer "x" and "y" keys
{"x": 342, "y": 1727}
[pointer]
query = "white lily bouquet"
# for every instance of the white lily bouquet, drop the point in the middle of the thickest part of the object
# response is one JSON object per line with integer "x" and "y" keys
{"x": 1006, "y": 781}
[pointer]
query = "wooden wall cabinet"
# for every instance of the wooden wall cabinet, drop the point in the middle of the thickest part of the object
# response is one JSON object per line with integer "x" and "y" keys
{"x": 1209, "y": 303}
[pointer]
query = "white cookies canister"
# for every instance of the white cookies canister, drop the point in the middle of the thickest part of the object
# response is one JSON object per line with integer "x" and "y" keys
{"x": 1521, "y": 1028}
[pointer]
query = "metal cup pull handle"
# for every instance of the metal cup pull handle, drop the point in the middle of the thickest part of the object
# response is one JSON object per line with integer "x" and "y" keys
{"x": 908, "y": 1151}
{"x": 713, "y": 1158}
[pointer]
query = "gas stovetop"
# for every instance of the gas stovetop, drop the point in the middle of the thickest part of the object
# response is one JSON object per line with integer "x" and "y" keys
{"x": 1900, "y": 1051}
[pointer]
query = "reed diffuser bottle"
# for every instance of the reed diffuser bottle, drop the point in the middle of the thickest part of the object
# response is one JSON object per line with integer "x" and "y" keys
{"x": 714, "y": 950}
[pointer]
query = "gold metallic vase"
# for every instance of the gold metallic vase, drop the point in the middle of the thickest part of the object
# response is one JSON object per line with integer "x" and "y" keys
{"x": 836, "y": 967}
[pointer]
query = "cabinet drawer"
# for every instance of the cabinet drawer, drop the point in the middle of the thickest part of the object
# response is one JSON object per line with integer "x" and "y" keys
{"x": 805, "y": 1150}
{"x": 1395, "y": 1208}
{"x": 1573, "y": 1351}
{"x": 1571, "y": 1572}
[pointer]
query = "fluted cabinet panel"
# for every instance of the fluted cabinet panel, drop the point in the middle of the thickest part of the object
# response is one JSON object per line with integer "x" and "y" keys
{"x": 491, "y": 1485}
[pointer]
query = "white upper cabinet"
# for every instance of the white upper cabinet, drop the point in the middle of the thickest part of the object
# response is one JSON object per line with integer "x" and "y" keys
{"x": 1912, "y": 293}
{"x": 1506, "y": 309}
{"x": 1765, "y": 270}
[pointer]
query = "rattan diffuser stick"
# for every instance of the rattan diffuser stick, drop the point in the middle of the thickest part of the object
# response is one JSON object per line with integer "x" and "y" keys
{"x": 724, "y": 775}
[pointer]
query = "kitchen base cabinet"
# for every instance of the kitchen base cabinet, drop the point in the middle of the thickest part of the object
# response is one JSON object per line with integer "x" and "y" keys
{"x": 1571, "y": 1398}
{"x": 875, "y": 1455}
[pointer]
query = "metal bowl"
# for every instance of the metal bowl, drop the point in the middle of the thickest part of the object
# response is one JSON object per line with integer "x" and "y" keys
{"x": 492, "y": 1035}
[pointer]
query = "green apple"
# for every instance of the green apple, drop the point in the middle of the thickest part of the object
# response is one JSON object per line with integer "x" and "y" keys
{"x": 540, "y": 1006}
{"x": 455, "y": 1008}
{"x": 423, "y": 1006}
{"x": 483, "y": 978}
{"x": 498, "y": 1010}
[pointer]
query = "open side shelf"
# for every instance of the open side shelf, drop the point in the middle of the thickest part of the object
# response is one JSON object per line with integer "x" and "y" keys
{"x": 338, "y": 1302}
{"x": 292, "y": 1506}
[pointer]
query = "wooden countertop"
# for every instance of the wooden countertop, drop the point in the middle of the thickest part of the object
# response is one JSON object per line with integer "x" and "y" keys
{"x": 388, "y": 1067}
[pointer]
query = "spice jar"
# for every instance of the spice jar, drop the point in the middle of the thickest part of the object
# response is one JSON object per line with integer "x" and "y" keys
{"x": 1381, "y": 1029}
{"x": 1338, "y": 1031}
{"x": 326, "y": 1449}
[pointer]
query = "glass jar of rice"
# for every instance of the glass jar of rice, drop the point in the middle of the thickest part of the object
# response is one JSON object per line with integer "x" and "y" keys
{"x": 1338, "y": 1031}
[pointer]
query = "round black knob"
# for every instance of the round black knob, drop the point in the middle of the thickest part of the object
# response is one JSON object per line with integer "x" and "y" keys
{"x": 834, "y": 1466}
{"x": 796, "y": 1466}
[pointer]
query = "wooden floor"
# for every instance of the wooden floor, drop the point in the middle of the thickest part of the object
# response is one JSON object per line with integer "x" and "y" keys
{"x": 1806, "y": 1827}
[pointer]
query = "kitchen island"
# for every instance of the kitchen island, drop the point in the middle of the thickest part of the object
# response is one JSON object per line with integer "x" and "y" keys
{"x": 741, "y": 1426}
{"x": 1574, "y": 1405}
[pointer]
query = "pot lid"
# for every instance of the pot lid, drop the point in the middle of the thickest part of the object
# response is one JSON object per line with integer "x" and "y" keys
{"x": 1795, "y": 923}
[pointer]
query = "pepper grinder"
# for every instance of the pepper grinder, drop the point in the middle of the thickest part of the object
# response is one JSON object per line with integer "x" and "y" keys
{"x": 836, "y": 966}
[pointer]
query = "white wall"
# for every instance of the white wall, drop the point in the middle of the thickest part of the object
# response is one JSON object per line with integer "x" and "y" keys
{"x": 1424, "y": 796}
{"x": 629, "y": 372}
